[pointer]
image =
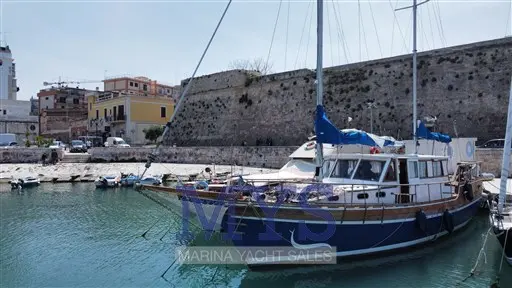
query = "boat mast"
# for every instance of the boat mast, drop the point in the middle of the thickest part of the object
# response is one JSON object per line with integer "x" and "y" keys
{"x": 414, "y": 70}
{"x": 319, "y": 79}
{"x": 506, "y": 155}
{"x": 414, "y": 76}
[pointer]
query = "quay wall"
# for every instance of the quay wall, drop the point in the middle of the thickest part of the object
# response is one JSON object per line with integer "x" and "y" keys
{"x": 466, "y": 87}
{"x": 491, "y": 160}
{"x": 24, "y": 155}
{"x": 256, "y": 156}
{"x": 252, "y": 156}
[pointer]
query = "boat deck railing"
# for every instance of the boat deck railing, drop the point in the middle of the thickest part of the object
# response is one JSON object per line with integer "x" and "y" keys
{"x": 354, "y": 194}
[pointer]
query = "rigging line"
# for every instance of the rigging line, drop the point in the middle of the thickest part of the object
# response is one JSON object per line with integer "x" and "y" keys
{"x": 422, "y": 28}
{"x": 339, "y": 37}
{"x": 330, "y": 36}
{"x": 375, "y": 27}
{"x": 397, "y": 24}
{"x": 408, "y": 34}
{"x": 343, "y": 39}
{"x": 359, "y": 25}
{"x": 286, "y": 43}
{"x": 392, "y": 29}
{"x": 509, "y": 15}
{"x": 430, "y": 25}
{"x": 309, "y": 38}
{"x": 439, "y": 23}
{"x": 185, "y": 90}
{"x": 302, "y": 34}
{"x": 274, "y": 33}
{"x": 365, "y": 39}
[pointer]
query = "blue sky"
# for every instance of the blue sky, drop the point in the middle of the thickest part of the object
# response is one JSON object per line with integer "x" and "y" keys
{"x": 163, "y": 40}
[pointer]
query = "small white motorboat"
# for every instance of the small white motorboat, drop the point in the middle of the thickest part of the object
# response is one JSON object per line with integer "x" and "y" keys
{"x": 151, "y": 180}
{"x": 107, "y": 181}
{"x": 24, "y": 182}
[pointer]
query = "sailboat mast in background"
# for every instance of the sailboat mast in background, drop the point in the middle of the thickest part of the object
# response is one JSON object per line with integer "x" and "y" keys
{"x": 319, "y": 80}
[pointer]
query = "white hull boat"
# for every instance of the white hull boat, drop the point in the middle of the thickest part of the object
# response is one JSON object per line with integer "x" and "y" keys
{"x": 24, "y": 182}
{"x": 107, "y": 182}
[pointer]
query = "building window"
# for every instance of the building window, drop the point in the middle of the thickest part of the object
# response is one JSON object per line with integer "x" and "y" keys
{"x": 145, "y": 87}
{"x": 136, "y": 84}
{"x": 162, "y": 112}
{"x": 97, "y": 114}
{"x": 76, "y": 101}
{"x": 62, "y": 107}
{"x": 131, "y": 84}
{"x": 5, "y": 112}
{"x": 105, "y": 112}
{"x": 45, "y": 98}
{"x": 90, "y": 106}
{"x": 168, "y": 90}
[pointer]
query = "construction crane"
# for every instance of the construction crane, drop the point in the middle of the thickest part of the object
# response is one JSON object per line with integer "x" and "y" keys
{"x": 61, "y": 83}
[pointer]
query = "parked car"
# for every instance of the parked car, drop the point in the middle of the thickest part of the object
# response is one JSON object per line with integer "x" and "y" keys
{"x": 494, "y": 143}
{"x": 92, "y": 141}
{"x": 57, "y": 144}
{"x": 77, "y": 146}
{"x": 9, "y": 144}
{"x": 116, "y": 142}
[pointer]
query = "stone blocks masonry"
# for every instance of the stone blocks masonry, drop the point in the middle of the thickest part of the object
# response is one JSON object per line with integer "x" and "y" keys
{"x": 466, "y": 87}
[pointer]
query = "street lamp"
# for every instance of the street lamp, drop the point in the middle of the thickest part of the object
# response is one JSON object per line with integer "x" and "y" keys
{"x": 97, "y": 121}
{"x": 370, "y": 104}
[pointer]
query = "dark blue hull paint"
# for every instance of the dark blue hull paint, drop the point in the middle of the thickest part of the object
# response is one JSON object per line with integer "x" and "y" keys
{"x": 347, "y": 238}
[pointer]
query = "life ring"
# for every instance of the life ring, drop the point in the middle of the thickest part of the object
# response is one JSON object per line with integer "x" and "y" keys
{"x": 310, "y": 145}
{"x": 468, "y": 192}
{"x": 421, "y": 220}
{"x": 448, "y": 221}
{"x": 201, "y": 185}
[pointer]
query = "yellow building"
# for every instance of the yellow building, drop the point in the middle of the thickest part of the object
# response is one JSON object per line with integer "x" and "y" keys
{"x": 126, "y": 115}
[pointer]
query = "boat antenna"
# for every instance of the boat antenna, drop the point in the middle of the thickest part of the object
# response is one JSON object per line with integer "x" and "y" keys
{"x": 505, "y": 167}
{"x": 319, "y": 80}
{"x": 414, "y": 70}
{"x": 152, "y": 156}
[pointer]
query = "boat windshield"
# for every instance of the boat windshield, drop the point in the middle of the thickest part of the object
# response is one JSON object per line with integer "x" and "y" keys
{"x": 369, "y": 170}
{"x": 344, "y": 168}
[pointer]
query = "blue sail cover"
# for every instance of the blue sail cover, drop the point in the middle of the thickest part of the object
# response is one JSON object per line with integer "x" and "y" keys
{"x": 423, "y": 132}
{"x": 327, "y": 133}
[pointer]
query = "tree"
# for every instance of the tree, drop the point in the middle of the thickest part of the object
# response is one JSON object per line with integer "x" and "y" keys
{"x": 257, "y": 64}
{"x": 153, "y": 132}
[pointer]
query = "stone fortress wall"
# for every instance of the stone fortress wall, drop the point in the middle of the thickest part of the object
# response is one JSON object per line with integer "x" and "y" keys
{"x": 466, "y": 87}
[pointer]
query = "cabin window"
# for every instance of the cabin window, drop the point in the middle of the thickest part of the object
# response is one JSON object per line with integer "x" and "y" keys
{"x": 413, "y": 169}
{"x": 423, "y": 173}
{"x": 445, "y": 167}
{"x": 369, "y": 170}
{"x": 437, "y": 169}
{"x": 326, "y": 168}
{"x": 380, "y": 194}
{"x": 344, "y": 168}
{"x": 362, "y": 196}
{"x": 391, "y": 173}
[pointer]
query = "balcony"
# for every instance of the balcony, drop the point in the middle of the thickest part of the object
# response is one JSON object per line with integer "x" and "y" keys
{"x": 118, "y": 118}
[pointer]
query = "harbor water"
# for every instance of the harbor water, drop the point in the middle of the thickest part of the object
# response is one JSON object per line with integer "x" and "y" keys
{"x": 73, "y": 235}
